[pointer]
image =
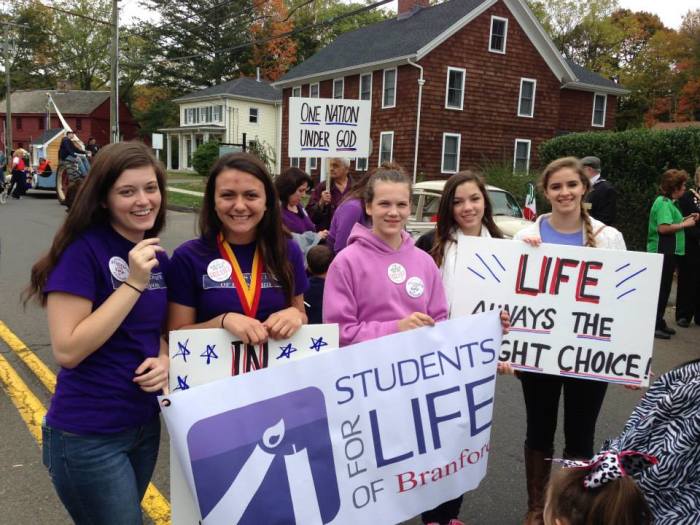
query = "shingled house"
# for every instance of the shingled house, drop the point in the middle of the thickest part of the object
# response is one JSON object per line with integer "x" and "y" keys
{"x": 454, "y": 85}
{"x": 86, "y": 112}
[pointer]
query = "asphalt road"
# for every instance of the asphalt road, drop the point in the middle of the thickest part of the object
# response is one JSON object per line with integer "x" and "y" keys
{"x": 26, "y": 495}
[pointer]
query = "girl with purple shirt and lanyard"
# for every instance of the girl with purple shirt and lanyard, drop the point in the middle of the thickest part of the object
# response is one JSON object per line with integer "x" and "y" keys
{"x": 106, "y": 317}
{"x": 243, "y": 273}
{"x": 564, "y": 184}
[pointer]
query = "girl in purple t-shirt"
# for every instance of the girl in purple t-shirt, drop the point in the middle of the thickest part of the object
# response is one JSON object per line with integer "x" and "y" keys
{"x": 292, "y": 185}
{"x": 244, "y": 273}
{"x": 103, "y": 287}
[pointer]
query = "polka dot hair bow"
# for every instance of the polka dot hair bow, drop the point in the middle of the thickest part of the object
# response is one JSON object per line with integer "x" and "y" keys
{"x": 609, "y": 465}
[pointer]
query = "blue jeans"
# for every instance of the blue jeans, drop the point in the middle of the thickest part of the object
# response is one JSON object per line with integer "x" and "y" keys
{"x": 101, "y": 479}
{"x": 82, "y": 162}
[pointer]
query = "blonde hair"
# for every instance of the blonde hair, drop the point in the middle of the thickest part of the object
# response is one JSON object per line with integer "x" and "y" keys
{"x": 574, "y": 164}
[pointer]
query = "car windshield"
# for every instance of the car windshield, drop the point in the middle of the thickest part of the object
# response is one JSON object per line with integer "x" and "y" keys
{"x": 504, "y": 204}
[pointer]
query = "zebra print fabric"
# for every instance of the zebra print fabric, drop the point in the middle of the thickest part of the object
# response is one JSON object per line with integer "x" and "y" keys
{"x": 666, "y": 424}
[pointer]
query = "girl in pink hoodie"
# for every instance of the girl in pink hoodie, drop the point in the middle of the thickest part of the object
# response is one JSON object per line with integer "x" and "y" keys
{"x": 381, "y": 283}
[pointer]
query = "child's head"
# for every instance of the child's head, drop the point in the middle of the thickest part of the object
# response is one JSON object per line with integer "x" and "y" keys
{"x": 319, "y": 259}
{"x": 617, "y": 500}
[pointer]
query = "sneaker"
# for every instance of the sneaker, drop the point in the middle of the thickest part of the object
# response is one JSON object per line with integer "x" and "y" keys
{"x": 668, "y": 330}
{"x": 683, "y": 322}
{"x": 660, "y": 334}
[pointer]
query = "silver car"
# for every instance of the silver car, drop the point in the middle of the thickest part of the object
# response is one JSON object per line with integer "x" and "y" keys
{"x": 507, "y": 213}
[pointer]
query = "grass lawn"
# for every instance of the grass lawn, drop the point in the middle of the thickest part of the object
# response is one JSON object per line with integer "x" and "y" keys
{"x": 184, "y": 175}
{"x": 193, "y": 185}
{"x": 186, "y": 201}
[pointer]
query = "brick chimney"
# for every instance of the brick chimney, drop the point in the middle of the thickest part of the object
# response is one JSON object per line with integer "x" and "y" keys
{"x": 409, "y": 7}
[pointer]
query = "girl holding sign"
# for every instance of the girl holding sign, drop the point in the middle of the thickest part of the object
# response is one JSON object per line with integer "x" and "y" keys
{"x": 243, "y": 273}
{"x": 103, "y": 287}
{"x": 564, "y": 184}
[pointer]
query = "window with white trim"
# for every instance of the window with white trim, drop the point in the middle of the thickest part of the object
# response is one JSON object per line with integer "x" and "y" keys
{"x": 218, "y": 113}
{"x": 600, "y": 103}
{"x": 389, "y": 88}
{"x": 366, "y": 86}
{"x": 312, "y": 163}
{"x": 361, "y": 163}
{"x": 498, "y": 34}
{"x": 386, "y": 147}
{"x": 253, "y": 115}
{"x": 521, "y": 156}
{"x": 314, "y": 90}
{"x": 296, "y": 91}
{"x": 451, "y": 143}
{"x": 526, "y": 100}
{"x": 294, "y": 162}
{"x": 338, "y": 87}
{"x": 454, "y": 92}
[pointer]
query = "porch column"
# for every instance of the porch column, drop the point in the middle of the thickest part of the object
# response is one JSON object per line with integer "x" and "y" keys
{"x": 182, "y": 153}
{"x": 206, "y": 137}
{"x": 193, "y": 142}
{"x": 169, "y": 146}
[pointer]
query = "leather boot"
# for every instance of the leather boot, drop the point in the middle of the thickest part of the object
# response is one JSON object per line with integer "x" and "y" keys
{"x": 537, "y": 469}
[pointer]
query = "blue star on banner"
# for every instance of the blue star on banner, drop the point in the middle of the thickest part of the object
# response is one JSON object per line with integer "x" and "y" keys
{"x": 317, "y": 344}
{"x": 209, "y": 353}
{"x": 181, "y": 383}
{"x": 287, "y": 351}
{"x": 182, "y": 350}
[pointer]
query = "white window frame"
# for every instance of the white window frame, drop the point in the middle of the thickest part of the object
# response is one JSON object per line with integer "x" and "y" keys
{"x": 384, "y": 86}
{"x": 250, "y": 115}
{"x": 529, "y": 154}
{"x": 296, "y": 91}
{"x": 318, "y": 90}
{"x": 505, "y": 35}
{"x": 312, "y": 163}
{"x": 365, "y": 166}
{"x": 218, "y": 113}
{"x": 294, "y": 162}
{"x": 459, "y": 147}
{"x": 447, "y": 88}
{"x": 391, "y": 150}
{"x": 342, "y": 87}
{"x": 534, "y": 94}
{"x": 359, "y": 87}
{"x": 605, "y": 110}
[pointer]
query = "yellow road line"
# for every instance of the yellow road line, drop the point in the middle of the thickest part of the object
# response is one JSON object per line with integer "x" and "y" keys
{"x": 32, "y": 411}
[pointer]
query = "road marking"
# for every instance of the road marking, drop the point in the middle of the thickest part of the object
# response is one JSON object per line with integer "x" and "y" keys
{"x": 32, "y": 411}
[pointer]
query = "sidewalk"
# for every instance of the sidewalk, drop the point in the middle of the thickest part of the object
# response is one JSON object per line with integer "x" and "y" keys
{"x": 186, "y": 192}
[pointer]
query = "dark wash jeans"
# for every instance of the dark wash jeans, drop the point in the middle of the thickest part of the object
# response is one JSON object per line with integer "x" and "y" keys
{"x": 101, "y": 479}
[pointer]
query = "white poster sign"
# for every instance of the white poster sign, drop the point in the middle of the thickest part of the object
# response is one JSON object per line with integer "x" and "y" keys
{"x": 575, "y": 312}
{"x": 328, "y": 127}
{"x": 157, "y": 140}
{"x": 374, "y": 433}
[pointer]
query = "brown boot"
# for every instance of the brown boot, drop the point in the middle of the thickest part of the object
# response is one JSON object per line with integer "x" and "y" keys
{"x": 537, "y": 469}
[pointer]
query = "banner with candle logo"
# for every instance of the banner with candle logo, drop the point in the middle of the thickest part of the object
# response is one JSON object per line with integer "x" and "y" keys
{"x": 376, "y": 432}
{"x": 574, "y": 311}
{"x": 198, "y": 357}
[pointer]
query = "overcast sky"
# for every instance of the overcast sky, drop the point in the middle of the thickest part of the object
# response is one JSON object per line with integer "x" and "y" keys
{"x": 670, "y": 11}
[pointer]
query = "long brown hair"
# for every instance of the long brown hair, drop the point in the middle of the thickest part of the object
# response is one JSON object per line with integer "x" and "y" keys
{"x": 618, "y": 501}
{"x": 574, "y": 164}
{"x": 89, "y": 208}
{"x": 270, "y": 234}
{"x": 446, "y": 223}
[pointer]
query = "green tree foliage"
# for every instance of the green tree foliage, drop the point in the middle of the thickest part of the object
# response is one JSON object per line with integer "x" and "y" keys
{"x": 204, "y": 157}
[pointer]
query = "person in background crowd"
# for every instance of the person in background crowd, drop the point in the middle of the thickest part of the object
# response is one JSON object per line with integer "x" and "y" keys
{"x": 602, "y": 197}
{"x": 69, "y": 151}
{"x": 322, "y": 203}
{"x": 44, "y": 168}
{"x": 243, "y": 273}
{"x": 103, "y": 287}
{"x": 318, "y": 260}
{"x": 3, "y": 166}
{"x": 18, "y": 182}
{"x": 564, "y": 185}
{"x": 351, "y": 211}
{"x": 292, "y": 185}
{"x": 666, "y": 236}
{"x": 688, "y": 286}
{"x": 92, "y": 147}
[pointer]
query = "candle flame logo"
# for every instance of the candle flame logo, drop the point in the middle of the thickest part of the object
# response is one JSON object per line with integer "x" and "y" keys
{"x": 273, "y": 435}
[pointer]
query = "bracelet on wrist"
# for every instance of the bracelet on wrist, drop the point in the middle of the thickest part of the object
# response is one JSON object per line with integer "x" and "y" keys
{"x": 132, "y": 287}
{"x": 222, "y": 319}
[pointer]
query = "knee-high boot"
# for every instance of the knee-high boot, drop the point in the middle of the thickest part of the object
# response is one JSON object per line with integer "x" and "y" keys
{"x": 537, "y": 469}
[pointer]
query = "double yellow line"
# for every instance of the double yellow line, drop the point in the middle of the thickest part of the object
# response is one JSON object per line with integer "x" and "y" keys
{"x": 32, "y": 411}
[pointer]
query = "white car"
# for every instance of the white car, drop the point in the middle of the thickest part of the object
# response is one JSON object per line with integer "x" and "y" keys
{"x": 507, "y": 213}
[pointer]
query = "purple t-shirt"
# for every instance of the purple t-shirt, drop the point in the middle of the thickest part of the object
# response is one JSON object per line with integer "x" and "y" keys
{"x": 98, "y": 396}
{"x": 191, "y": 286}
{"x": 298, "y": 222}
{"x": 552, "y": 236}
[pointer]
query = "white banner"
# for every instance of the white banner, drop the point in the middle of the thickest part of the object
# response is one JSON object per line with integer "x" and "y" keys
{"x": 575, "y": 312}
{"x": 373, "y": 433}
{"x": 328, "y": 127}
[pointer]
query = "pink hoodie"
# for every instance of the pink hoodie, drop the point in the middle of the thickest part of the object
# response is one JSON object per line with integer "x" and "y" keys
{"x": 370, "y": 287}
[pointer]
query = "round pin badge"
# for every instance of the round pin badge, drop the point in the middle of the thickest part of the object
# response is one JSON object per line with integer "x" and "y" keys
{"x": 119, "y": 268}
{"x": 397, "y": 273}
{"x": 219, "y": 270}
{"x": 415, "y": 287}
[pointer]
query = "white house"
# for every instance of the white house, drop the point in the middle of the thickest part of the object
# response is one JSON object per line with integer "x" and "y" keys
{"x": 228, "y": 112}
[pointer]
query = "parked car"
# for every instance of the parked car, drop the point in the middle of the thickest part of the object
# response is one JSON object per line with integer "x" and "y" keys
{"x": 507, "y": 213}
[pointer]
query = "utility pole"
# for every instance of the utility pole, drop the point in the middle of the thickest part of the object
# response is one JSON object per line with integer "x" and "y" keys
{"x": 8, "y": 105}
{"x": 114, "y": 97}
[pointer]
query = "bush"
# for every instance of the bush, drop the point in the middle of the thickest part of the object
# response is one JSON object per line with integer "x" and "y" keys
{"x": 633, "y": 161}
{"x": 501, "y": 175}
{"x": 204, "y": 157}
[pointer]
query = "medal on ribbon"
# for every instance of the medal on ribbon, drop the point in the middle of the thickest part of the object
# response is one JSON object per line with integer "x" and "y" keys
{"x": 248, "y": 295}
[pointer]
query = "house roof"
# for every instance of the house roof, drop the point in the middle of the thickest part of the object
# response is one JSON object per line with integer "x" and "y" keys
{"x": 397, "y": 39}
{"x": 47, "y": 136}
{"x": 243, "y": 87}
{"x": 68, "y": 102}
